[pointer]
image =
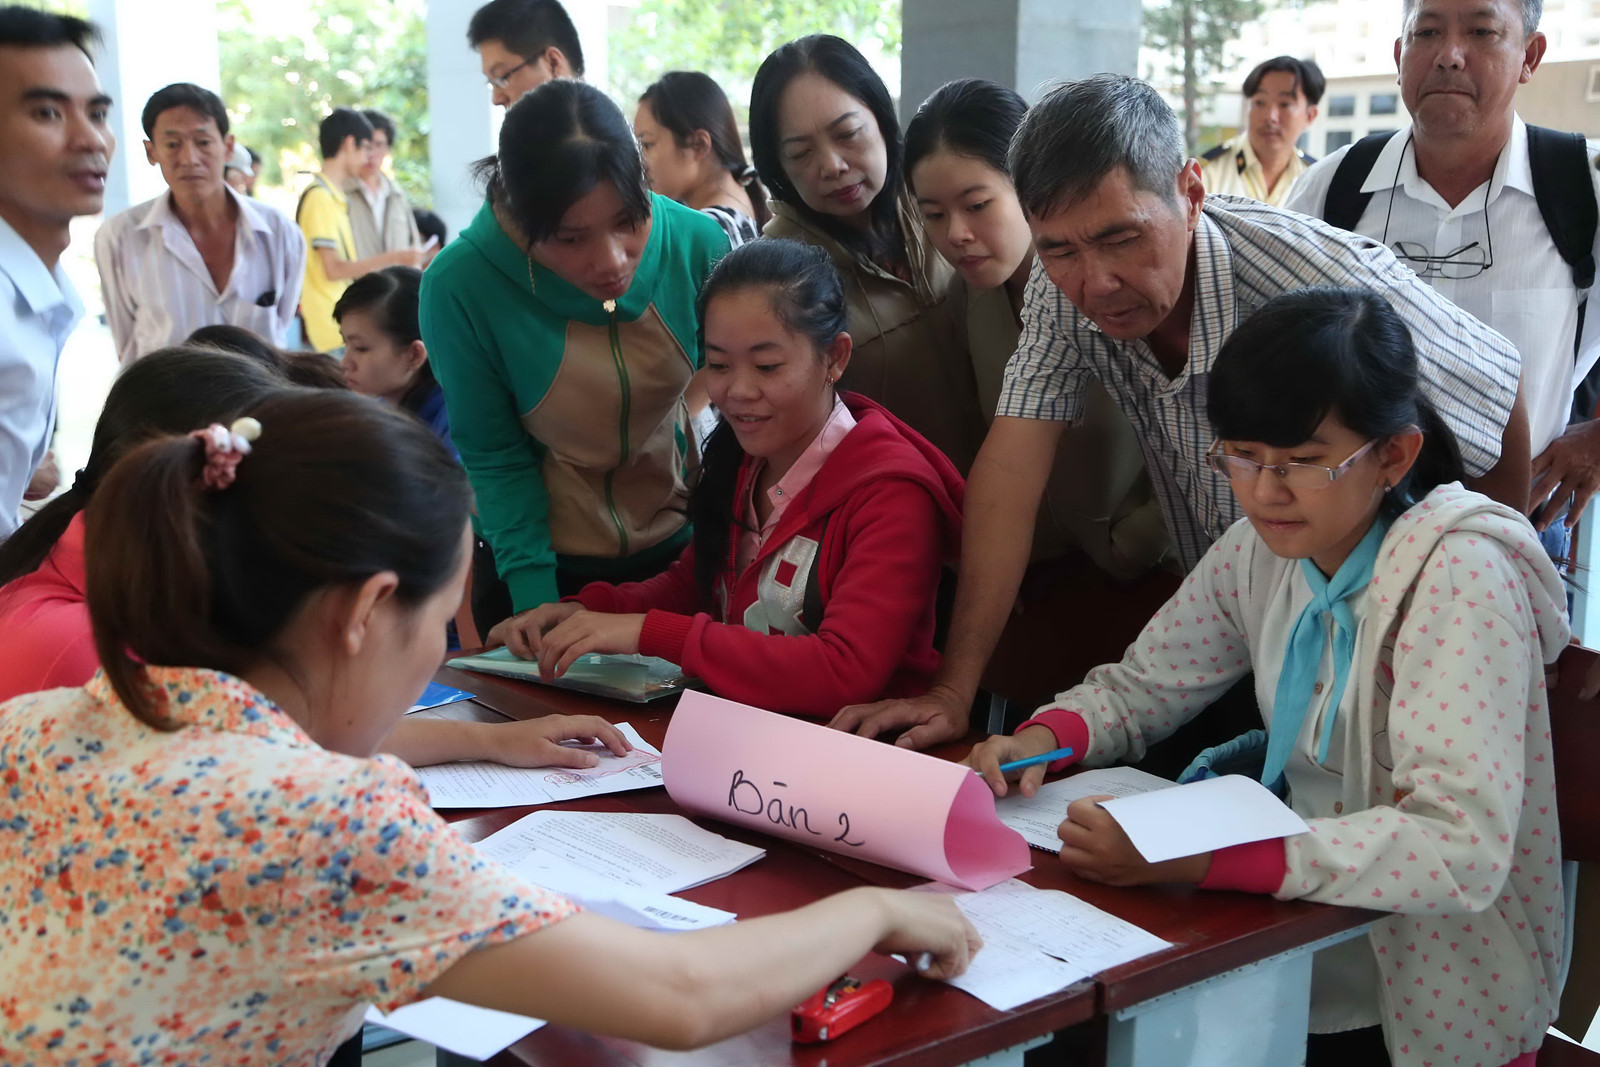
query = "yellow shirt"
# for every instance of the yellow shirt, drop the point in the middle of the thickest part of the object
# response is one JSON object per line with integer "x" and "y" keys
{"x": 324, "y": 217}
{"x": 1235, "y": 170}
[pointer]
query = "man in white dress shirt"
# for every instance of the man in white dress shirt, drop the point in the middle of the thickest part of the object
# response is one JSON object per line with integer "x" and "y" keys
{"x": 1453, "y": 196}
{"x": 199, "y": 254}
{"x": 55, "y": 149}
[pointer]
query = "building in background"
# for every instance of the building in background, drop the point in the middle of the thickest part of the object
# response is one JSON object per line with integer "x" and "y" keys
{"x": 1353, "y": 42}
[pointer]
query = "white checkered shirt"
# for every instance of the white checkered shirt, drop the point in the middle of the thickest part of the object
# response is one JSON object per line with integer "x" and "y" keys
{"x": 1245, "y": 254}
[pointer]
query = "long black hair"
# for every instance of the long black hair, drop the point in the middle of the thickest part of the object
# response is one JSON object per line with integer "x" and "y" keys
{"x": 173, "y": 390}
{"x": 806, "y": 295}
{"x": 391, "y": 296}
{"x": 559, "y": 142}
{"x": 684, "y": 101}
{"x": 971, "y": 117}
{"x": 1324, "y": 351}
{"x": 838, "y": 61}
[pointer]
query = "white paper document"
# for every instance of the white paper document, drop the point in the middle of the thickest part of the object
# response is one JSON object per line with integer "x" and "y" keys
{"x": 1203, "y": 817}
{"x": 1037, "y": 817}
{"x": 475, "y": 784}
{"x": 473, "y": 1032}
{"x": 1039, "y": 941}
{"x": 660, "y": 853}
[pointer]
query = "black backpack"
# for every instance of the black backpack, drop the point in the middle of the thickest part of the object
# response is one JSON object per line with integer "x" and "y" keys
{"x": 1563, "y": 190}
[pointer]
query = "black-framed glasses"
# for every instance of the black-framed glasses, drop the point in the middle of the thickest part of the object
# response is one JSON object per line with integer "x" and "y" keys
{"x": 503, "y": 79}
{"x": 1298, "y": 476}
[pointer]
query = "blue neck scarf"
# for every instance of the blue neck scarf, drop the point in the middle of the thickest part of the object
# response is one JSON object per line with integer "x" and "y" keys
{"x": 1303, "y": 654}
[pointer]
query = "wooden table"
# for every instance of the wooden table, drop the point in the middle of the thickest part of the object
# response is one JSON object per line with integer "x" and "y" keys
{"x": 1233, "y": 991}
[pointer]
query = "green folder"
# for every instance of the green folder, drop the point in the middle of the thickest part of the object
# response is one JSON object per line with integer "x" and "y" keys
{"x": 636, "y": 679}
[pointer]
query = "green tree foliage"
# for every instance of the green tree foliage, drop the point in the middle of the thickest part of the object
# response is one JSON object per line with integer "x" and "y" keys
{"x": 728, "y": 39}
{"x": 1196, "y": 35}
{"x": 350, "y": 53}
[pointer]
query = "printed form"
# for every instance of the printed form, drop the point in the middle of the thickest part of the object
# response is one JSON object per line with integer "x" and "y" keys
{"x": 478, "y": 784}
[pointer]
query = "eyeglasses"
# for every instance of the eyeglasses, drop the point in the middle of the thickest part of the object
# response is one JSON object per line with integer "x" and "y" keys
{"x": 503, "y": 79}
{"x": 1298, "y": 476}
{"x": 1468, "y": 261}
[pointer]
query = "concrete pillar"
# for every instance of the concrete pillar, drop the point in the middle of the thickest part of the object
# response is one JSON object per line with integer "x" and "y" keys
{"x": 463, "y": 122}
{"x": 1026, "y": 44}
{"x": 149, "y": 44}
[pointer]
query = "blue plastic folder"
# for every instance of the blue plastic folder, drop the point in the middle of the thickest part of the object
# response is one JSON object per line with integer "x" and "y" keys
{"x": 437, "y": 695}
{"x": 636, "y": 679}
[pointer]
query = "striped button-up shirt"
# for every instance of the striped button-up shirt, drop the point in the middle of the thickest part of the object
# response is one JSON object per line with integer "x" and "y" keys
{"x": 158, "y": 291}
{"x": 1246, "y": 253}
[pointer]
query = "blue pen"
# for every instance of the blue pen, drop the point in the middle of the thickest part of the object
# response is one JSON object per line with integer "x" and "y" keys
{"x": 1043, "y": 757}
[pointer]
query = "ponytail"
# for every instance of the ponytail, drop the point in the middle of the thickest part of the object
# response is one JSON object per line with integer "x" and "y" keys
{"x": 336, "y": 490}
{"x": 711, "y": 508}
{"x": 747, "y": 177}
{"x": 1439, "y": 462}
{"x": 149, "y": 587}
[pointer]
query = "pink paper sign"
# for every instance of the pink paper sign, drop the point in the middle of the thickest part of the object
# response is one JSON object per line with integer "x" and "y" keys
{"x": 837, "y": 791}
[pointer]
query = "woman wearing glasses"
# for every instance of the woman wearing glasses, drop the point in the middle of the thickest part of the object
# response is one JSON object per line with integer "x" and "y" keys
{"x": 1398, "y": 626}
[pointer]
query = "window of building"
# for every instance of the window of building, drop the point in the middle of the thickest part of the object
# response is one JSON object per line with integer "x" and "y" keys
{"x": 1335, "y": 140}
{"x": 1341, "y": 107}
{"x": 1384, "y": 104}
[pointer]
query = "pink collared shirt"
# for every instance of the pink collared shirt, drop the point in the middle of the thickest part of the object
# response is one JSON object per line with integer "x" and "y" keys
{"x": 755, "y": 533}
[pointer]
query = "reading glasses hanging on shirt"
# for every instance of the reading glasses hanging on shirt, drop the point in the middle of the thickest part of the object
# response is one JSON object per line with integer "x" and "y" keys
{"x": 1468, "y": 261}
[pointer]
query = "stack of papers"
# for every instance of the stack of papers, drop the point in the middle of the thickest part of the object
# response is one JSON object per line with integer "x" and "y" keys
{"x": 1039, "y": 941}
{"x": 473, "y": 1032}
{"x": 622, "y": 864}
{"x": 1037, "y": 817}
{"x": 473, "y": 784}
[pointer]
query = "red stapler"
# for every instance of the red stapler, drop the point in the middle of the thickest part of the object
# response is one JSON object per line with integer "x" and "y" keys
{"x": 843, "y": 1006}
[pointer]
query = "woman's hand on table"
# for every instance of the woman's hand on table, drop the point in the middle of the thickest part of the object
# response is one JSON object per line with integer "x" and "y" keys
{"x": 587, "y": 632}
{"x": 537, "y": 742}
{"x": 523, "y": 633}
{"x": 928, "y": 924}
{"x": 986, "y": 757}
{"x": 1094, "y": 846}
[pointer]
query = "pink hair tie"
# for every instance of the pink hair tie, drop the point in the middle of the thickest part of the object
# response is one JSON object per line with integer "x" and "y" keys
{"x": 225, "y": 446}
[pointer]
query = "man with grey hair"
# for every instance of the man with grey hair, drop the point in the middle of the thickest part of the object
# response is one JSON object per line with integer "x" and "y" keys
{"x": 1143, "y": 278}
{"x": 1457, "y": 196}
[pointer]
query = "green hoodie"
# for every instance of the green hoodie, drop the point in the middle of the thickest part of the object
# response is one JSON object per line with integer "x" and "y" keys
{"x": 569, "y": 414}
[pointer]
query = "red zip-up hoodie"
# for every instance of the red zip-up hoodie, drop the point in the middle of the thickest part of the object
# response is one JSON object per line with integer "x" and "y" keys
{"x": 837, "y": 607}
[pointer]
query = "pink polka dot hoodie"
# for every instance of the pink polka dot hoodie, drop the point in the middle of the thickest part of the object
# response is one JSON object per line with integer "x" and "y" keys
{"x": 1443, "y": 812}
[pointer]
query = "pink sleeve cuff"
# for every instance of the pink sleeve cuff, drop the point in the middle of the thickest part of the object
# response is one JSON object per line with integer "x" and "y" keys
{"x": 664, "y": 634}
{"x": 1070, "y": 730}
{"x": 1254, "y": 867}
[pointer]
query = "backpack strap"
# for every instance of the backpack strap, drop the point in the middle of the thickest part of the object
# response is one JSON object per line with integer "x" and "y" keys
{"x": 1344, "y": 202}
{"x": 1559, "y": 163}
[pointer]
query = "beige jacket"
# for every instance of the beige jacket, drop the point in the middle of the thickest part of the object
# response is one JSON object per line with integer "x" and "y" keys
{"x": 397, "y": 229}
{"x": 908, "y": 354}
{"x": 1098, "y": 497}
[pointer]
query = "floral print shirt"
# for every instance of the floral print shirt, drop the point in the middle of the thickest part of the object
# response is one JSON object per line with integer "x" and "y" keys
{"x": 230, "y": 892}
